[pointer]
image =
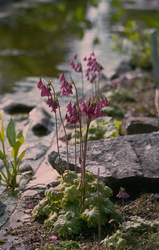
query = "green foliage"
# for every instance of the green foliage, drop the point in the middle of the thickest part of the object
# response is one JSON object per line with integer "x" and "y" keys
{"x": 136, "y": 233}
{"x": 101, "y": 128}
{"x": 117, "y": 240}
{"x": 12, "y": 163}
{"x": 135, "y": 43}
{"x": 68, "y": 245}
{"x": 63, "y": 208}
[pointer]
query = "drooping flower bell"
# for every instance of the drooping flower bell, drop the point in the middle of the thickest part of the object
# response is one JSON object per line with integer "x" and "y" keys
{"x": 44, "y": 87}
{"x": 76, "y": 65}
{"x": 66, "y": 84}
{"x": 122, "y": 194}
{"x": 72, "y": 115}
{"x": 47, "y": 90}
{"x": 93, "y": 68}
{"x": 92, "y": 108}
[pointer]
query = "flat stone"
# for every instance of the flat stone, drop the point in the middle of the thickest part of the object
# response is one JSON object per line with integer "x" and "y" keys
{"x": 129, "y": 161}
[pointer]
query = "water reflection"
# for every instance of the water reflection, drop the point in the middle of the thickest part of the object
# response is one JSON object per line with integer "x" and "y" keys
{"x": 35, "y": 39}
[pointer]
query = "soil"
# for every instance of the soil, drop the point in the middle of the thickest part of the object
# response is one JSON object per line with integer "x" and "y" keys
{"x": 33, "y": 235}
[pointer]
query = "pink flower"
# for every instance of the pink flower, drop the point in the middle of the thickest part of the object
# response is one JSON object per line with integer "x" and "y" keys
{"x": 66, "y": 84}
{"x": 93, "y": 107}
{"x": 93, "y": 69}
{"x": 40, "y": 84}
{"x": 44, "y": 87}
{"x": 53, "y": 103}
{"x": 122, "y": 194}
{"x": 54, "y": 239}
{"x": 72, "y": 115}
{"x": 76, "y": 65}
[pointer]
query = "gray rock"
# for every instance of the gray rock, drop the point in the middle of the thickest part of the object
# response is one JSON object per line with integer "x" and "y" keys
{"x": 123, "y": 67}
{"x": 2, "y": 208}
{"x": 42, "y": 121}
{"x": 129, "y": 161}
{"x": 35, "y": 151}
{"x": 25, "y": 168}
{"x": 139, "y": 125}
{"x": 13, "y": 107}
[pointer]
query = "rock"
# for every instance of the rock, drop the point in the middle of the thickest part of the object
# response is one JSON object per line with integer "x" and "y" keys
{"x": 25, "y": 168}
{"x": 13, "y": 107}
{"x": 139, "y": 125}
{"x": 2, "y": 208}
{"x": 123, "y": 67}
{"x": 42, "y": 121}
{"x": 35, "y": 151}
{"x": 130, "y": 161}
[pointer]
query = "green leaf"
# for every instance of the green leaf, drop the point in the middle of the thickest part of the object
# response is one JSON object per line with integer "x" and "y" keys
{"x": 67, "y": 224}
{"x": 91, "y": 216}
{"x": 71, "y": 193}
{"x": 22, "y": 155}
{"x": 16, "y": 147}
{"x": 20, "y": 134}
{"x": 11, "y": 133}
{"x": 2, "y": 138}
{"x": 2, "y": 156}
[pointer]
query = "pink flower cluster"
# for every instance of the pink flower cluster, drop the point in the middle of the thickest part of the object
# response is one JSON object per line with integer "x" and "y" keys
{"x": 122, "y": 194}
{"x": 94, "y": 68}
{"x": 45, "y": 87}
{"x": 72, "y": 115}
{"x": 93, "y": 108}
{"x": 45, "y": 90}
{"x": 66, "y": 85}
{"x": 76, "y": 65}
{"x": 54, "y": 239}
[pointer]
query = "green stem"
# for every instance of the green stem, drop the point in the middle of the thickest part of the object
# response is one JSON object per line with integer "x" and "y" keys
{"x": 82, "y": 84}
{"x": 57, "y": 142}
{"x": 80, "y": 124}
{"x": 84, "y": 160}
{"x": 66, "y": 144}
{"x": 75, "y": 153}
{"x": 99, "y": 213}
{"x": 6, "y": 161}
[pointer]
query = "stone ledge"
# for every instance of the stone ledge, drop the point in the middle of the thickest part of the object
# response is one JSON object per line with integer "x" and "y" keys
{"x": 130, "y": 161}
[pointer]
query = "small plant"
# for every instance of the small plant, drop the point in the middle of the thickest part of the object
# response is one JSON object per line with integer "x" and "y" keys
{"x": 79, "y": 200}
{"x": 62, "y": 206}
{"x": 12, "y": 163}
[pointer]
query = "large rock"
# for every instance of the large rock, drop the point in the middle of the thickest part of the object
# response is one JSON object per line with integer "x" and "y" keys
{"x": 12, "y": 107}
{"x": 139, "y": 125}
{"x": 42, "y": 121}
{"x": 129, "y": 161}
